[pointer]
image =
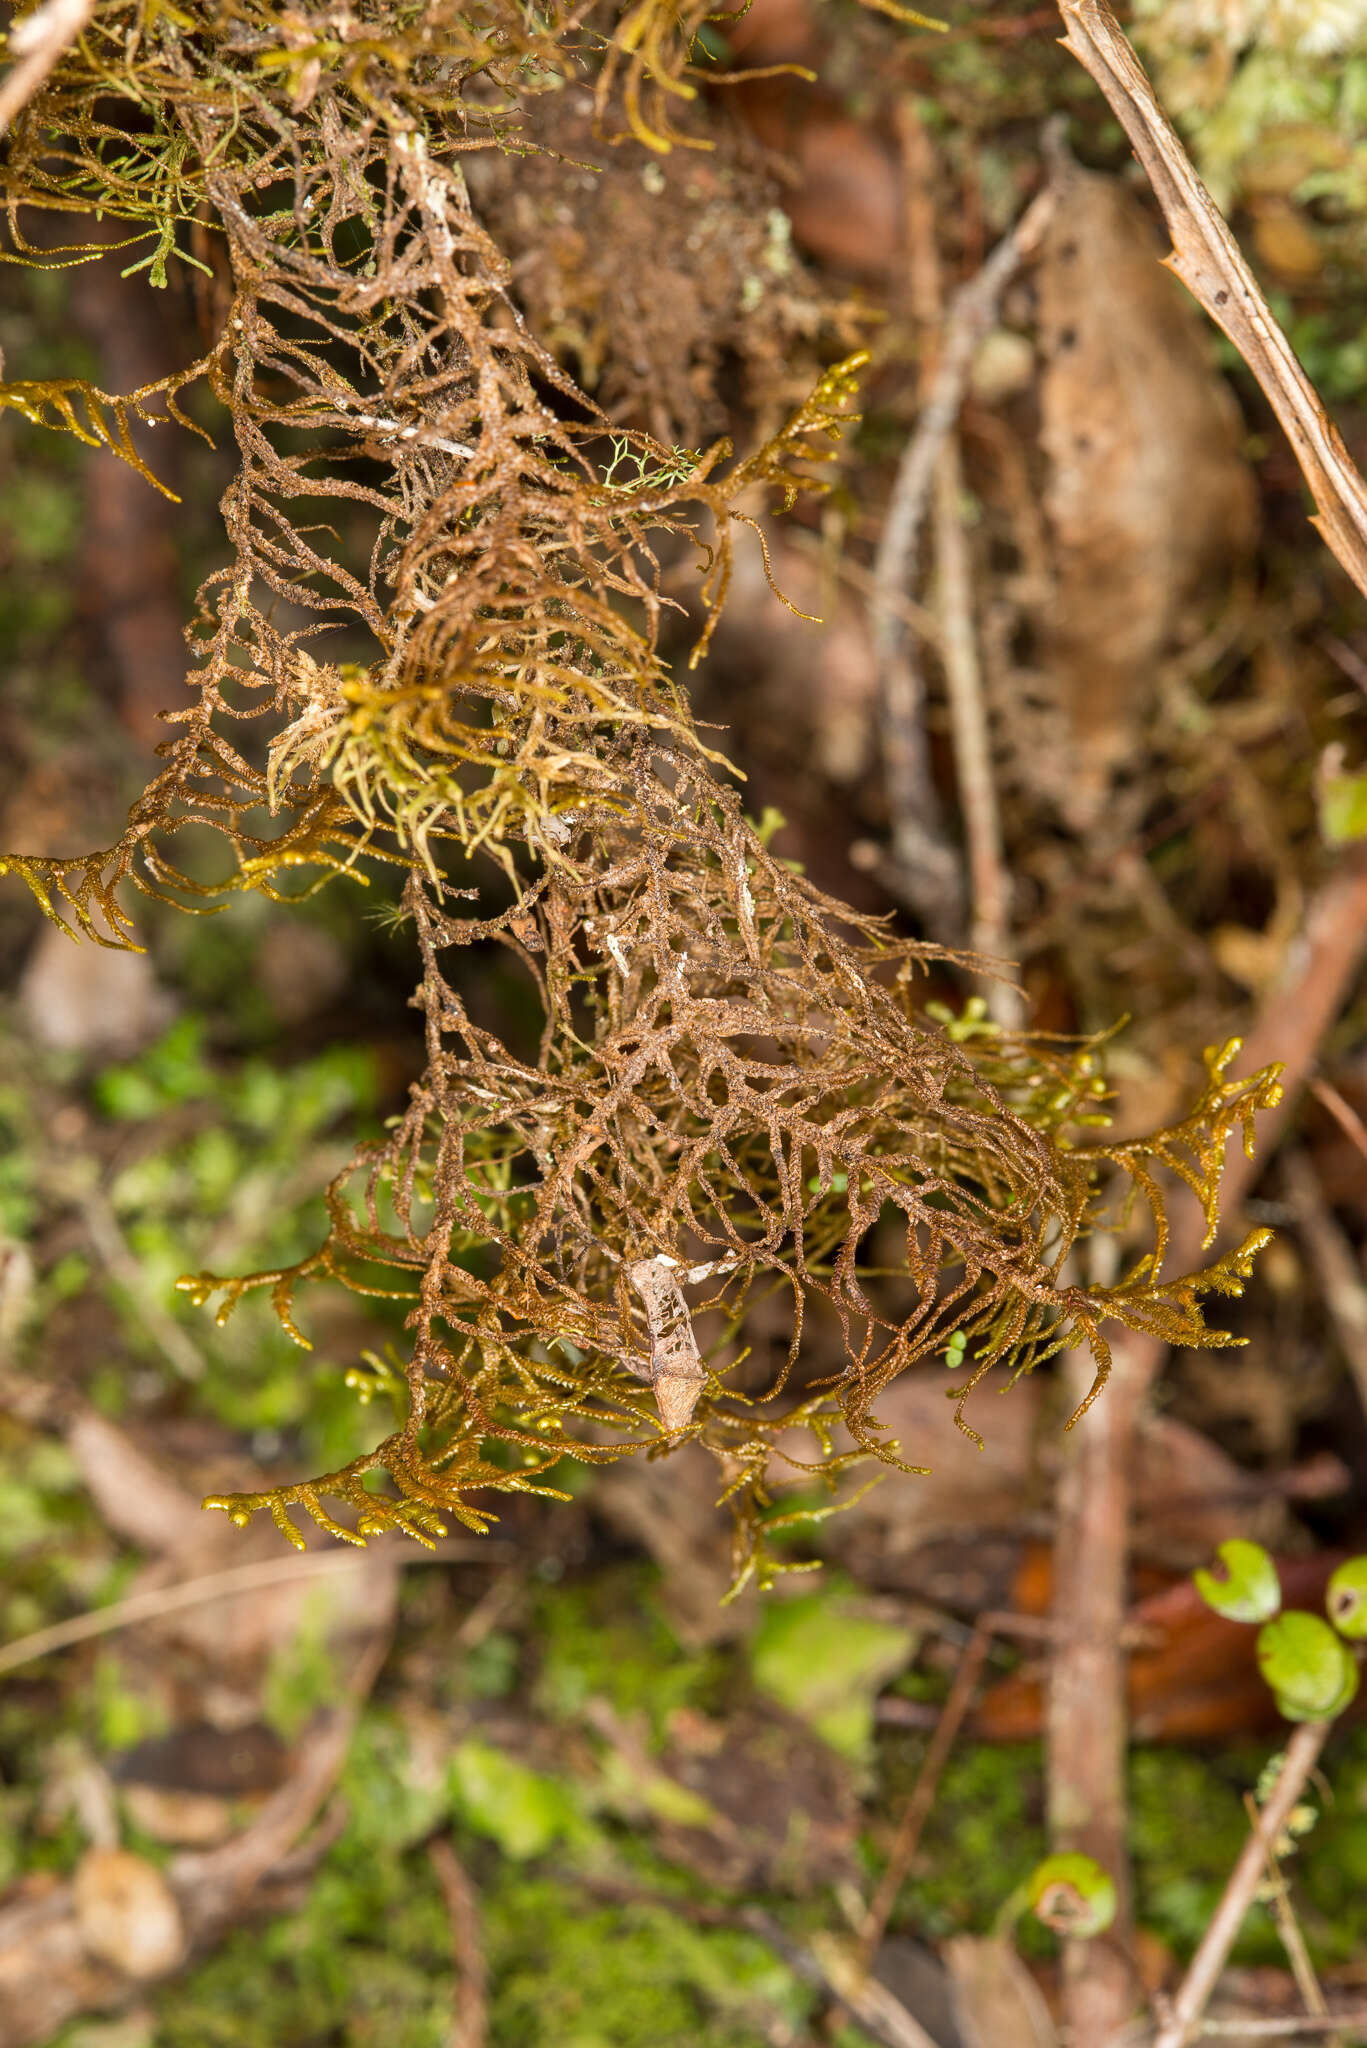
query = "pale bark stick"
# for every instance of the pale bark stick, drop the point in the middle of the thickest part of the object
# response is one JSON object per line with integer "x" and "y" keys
{"x": 1343, "y": 1113}
{"x": 1086, "y": 1712}
{"x": 1289, "y": 1927}
{"x": 1086, "y": 1731}
{"x": 40, "y": 41}
{"x": 1298, "y": 1761}
{"x": 1211, "y": 265}
{"x": 921, "y": 852}
{"x": 470, "y": 2018}
{"x": 1303, "y": 2024}
{"x": 917, "y": 1811}
{"x": 989, "y": 931}
{"x": 1336, "y": 1268}
{"x": 224, "y": 1585}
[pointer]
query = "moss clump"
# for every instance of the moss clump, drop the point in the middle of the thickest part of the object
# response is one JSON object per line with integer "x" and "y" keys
{"x": 984, "y": 1837}
{"x": 604, "y": 1638}
{"x": 613, "y": 1977}
{"x": 366, "y": 1962}
{"x": 1187, "y": 1826}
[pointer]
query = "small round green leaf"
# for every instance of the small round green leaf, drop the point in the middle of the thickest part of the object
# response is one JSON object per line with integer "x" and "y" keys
{"x": 1073, "y": 1895}
{"x": 1346, "y": 1598}
{"x": 1247, "y": 1588}
{"x": 1306, "y": 1666}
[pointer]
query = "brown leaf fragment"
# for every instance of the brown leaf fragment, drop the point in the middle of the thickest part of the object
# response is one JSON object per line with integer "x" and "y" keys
{"x": 1148, "y": 499}
{"x": 676, "y": 1368}
{"x": 127, "y": 1914}
{"x": 996, "y": 1999}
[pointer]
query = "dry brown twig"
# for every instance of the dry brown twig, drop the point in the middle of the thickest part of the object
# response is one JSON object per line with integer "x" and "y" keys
{"x": 988, "y": 884}
{"x": 1086, "y": 1730}
{"x": 1289, "y": 1927}
{"x": 1335, "y": 1265}
{"x": 928, "y": 865}
{"x": 470, "y": 2019}
{"x": 1087, "y": 1722}
{"x": 1342, "y": 1111}
{"x": 922, "y": 1797}
{"x": 40, "y": 41}
{"x": 1210, "y": 264}
{"x": 1302, "y": 2024}
{"x": 241, "y": 1578}
{"x": 1181, "y": 2023}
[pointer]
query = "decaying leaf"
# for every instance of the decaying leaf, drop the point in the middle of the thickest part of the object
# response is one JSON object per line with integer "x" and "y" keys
{"x": 1149, "y": 500}
{"x": 996, "y": 2000}
{"x": 127, "y": 1913}
{"x": 676, "y": 1368}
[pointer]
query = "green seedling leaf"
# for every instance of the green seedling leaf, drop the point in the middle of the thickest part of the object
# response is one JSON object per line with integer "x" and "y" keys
{"x": 1244, "y": 1586}
{"x": 1072, "y": 1895}
{"x": 825, "y": 1661}
{"x": 1306, "y": 1666}
{"x": 1345, "y": 1599}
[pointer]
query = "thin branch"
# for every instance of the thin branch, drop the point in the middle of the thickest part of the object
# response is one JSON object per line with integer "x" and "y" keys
{"x": 988, "y": 886}
{"x": 920, "y": 847}
{"x": 215, "y": 1885}
{"x": 1086, "y": 1729}
{"x": 1294, "y": 1017}
{"x": 1347, "y": 658}
{"x": 470, "y": 2019}
{"x": 181, "y": 1353}
{"x": 1210, "y": 264}
{"x": 241, "y": 1578}
{"x": 916, "y": 617}
{"x": 917, "y": 1811}
{"x": 1182, "y": 2021}
{"x": 1343, "y": 1113}
{"x": 1289, "y": 1927}
{"x": 1340, "y": 1278}
{"x": 971, "y": 312}
{"x": 1087, "y": 1705}
{"x": 40, "y": 41}
{"x": 1285, "y": 2029}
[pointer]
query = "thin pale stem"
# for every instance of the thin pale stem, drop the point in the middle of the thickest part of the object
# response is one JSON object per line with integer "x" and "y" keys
{"x": 1182, "y": 2022}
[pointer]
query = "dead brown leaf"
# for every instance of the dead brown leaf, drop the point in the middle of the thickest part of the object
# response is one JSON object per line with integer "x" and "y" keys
{"x": 1148, "y": 499}
{"x": 996, "y": 1999}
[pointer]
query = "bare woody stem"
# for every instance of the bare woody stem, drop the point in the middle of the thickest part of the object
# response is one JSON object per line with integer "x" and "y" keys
{"x": 920, "y": 851}
{"x": 1086, "y": 1721}
{"x": 1087, "y": 1725}
{"x": 1210, "y": 264}
{"x": 1299, "y": 1760}
{"x": 40, "y": 42}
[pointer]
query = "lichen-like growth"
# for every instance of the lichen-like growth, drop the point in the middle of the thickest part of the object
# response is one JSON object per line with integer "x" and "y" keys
{"x": 735, "y": 1091}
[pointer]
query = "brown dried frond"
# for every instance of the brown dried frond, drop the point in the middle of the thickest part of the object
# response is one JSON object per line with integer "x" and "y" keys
{"x": 735, "y": 1090}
